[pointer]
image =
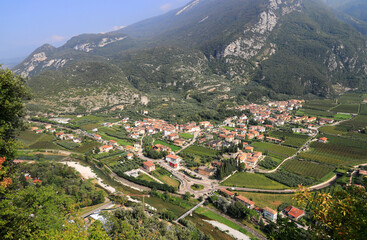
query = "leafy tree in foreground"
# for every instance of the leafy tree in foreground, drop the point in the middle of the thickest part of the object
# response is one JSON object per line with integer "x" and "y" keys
{"x": 12, "y": 93}
{"x": 342, "y": 215}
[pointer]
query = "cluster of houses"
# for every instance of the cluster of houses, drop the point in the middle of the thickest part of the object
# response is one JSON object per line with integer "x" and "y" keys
{"x": 268, "y": 213}
{"x": 250, "y": 157}
{"x": 47, "y": 128}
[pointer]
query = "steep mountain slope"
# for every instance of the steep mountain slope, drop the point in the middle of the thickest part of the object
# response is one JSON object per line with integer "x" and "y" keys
{"x": 208, "y": 51}
{"x": 353, "y": 12}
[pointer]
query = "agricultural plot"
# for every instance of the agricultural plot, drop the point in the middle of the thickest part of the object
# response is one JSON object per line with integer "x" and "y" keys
{"x": 315, "y": 113}
{"x": 186, "y": 135}
{"x": 291, "y": 139}
{"x": 338, "y": 151}
{"x": 145, "y": 177}
{"x": 269, "y": 199}
{"x": 351, "y": 98}
{"x": 307, "y": 168}
{"x": 173, "y": 147}
{"x": 342, "y": 131}
{"x": 354, "y": 124}
{"x": 200, "y": 151}
{"x": 164, "y": 176}
{"x": 346, "y": 108}
{"x": 32, "y": 140}
{"x": 70, "y": 145}
{"x": 250, "y": 180}
{"x": 274, "y": 148}
{"x": 320, "y": 104}
{"x": 363, "y": 109}
{"x": 87, "y": 147}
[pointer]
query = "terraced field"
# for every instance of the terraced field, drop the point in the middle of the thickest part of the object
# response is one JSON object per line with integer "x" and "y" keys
{"x": 307, "y": 168}
{"x": 250, "y": 180}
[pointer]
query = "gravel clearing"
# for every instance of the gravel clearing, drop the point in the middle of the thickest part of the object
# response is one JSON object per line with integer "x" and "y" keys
{"x": 234, "y": 233}
{"x": 87, "y": 173}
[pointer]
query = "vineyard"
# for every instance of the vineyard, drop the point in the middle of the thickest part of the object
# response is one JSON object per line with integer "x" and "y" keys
{"x": 315, "y": 113}
{"x": 363, "y": 109}
{"x": 307, "y": 168}
{"x": 291, "y": 139}
{"x": 289, "y": 179}
{"x": 356, "y": 123}
{"x": 351, "y": 98}
{"x": 278, "y": 149}
{"x": 322, "y": 105}
{"x": 346, "y": 108}
{"x": 338, "y": 151}
{"x": 70, "y": 145}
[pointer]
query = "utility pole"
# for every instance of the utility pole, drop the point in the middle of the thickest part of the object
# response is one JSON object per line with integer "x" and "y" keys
{"x": 143, "y": 196}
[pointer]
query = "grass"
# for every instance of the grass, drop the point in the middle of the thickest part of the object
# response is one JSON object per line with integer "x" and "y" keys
{"x": 186, "y": 135}
{"x": 209, "y": 214}
{"x": 160, "y": 204}
{"x": 87, "y": 146}
{"x": 197, "y": 187}
{"x": 145, "y": 177}
{"x": 342, "y": 116}
{"x": 173, "y": 147}
{"x": 164, "y": 176}
{"x": 201, "y": 151}
{"x": 269, "y": 199}
{"x": 346, "y": 108}
{"x": 250, "y": 180}
{"x": 228, "y": 128}
{"x": 307, "y": 168}
{"x": 291, "y": 139}
{"x": 276, "y": 148}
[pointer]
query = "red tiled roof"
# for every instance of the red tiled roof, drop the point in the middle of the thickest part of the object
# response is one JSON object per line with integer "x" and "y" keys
{"x": 148, "y": 164}
{"x": 229, "y": 193}
{"x": 245, "y": 200}
{"x": 269, "y": 210}
{"x": 171, "y": 156}
{"x": 294, "y": 212}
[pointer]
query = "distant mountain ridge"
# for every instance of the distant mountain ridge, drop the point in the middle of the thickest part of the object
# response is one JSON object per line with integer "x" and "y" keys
{"x": 208, "y": 49}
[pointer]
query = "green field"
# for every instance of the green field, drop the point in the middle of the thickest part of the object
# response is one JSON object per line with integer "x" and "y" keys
{"x": 145, "y": 177}
{"x": 201, "y": 151}
{"x": 320, "y": 104}
{"x": 315, "y": 113}
{"x": 186, "y": 135}
{"x": 250, "y": 180}
{"x": 211, "y": 215}
{"x": 276, "y": 148}
{"x": 363, "y": 109}
{"x": 342, "y": 116}
{"x": 291, "y": 139}
{"x": 31, "y": 140}
{"x": 354, "y": 124}
{"x": 269, "y": 199}
{"x": 307, "y": 169}
{"x": 342, "y": 131}
{"x": 87, "y": 146}
{"x": 173, "y": 147}
{"x": 351, "y": 98}
{"x": 338, "y": 151}
{"x": 164, "y": 176}
{"x": 346, "y": 108}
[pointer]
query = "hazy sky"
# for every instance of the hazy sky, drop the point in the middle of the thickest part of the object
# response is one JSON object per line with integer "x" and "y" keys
{"x": 27, "y": 24}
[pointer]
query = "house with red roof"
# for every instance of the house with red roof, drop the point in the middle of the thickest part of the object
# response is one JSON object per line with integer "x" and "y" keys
{"x": 270, "y": 214}
{"x": 225, "y": 192}
{"x": 248, "y": 203}
{"x": 105, "y": 149}
{"x": 149, "y": 166}
{"x": 323, "y": 140}
{"x": 294, "y": 213}
{"x": 173, "y": 160}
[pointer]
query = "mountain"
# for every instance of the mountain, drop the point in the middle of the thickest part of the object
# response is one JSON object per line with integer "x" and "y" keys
{"x": 203, "y": 54}
{"x": 353, "y": 12}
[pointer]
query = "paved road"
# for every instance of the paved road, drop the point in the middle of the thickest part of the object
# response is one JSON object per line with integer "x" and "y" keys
{"x": 312, "y": 188}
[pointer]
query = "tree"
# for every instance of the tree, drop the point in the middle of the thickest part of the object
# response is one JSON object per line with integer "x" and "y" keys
{"x": 187, "y": 196}
{"x": 342, "y": 215}
{"x": 12, "y": 94}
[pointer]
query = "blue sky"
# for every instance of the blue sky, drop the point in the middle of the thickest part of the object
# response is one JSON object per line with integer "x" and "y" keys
{"x": 27, "y": 24}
